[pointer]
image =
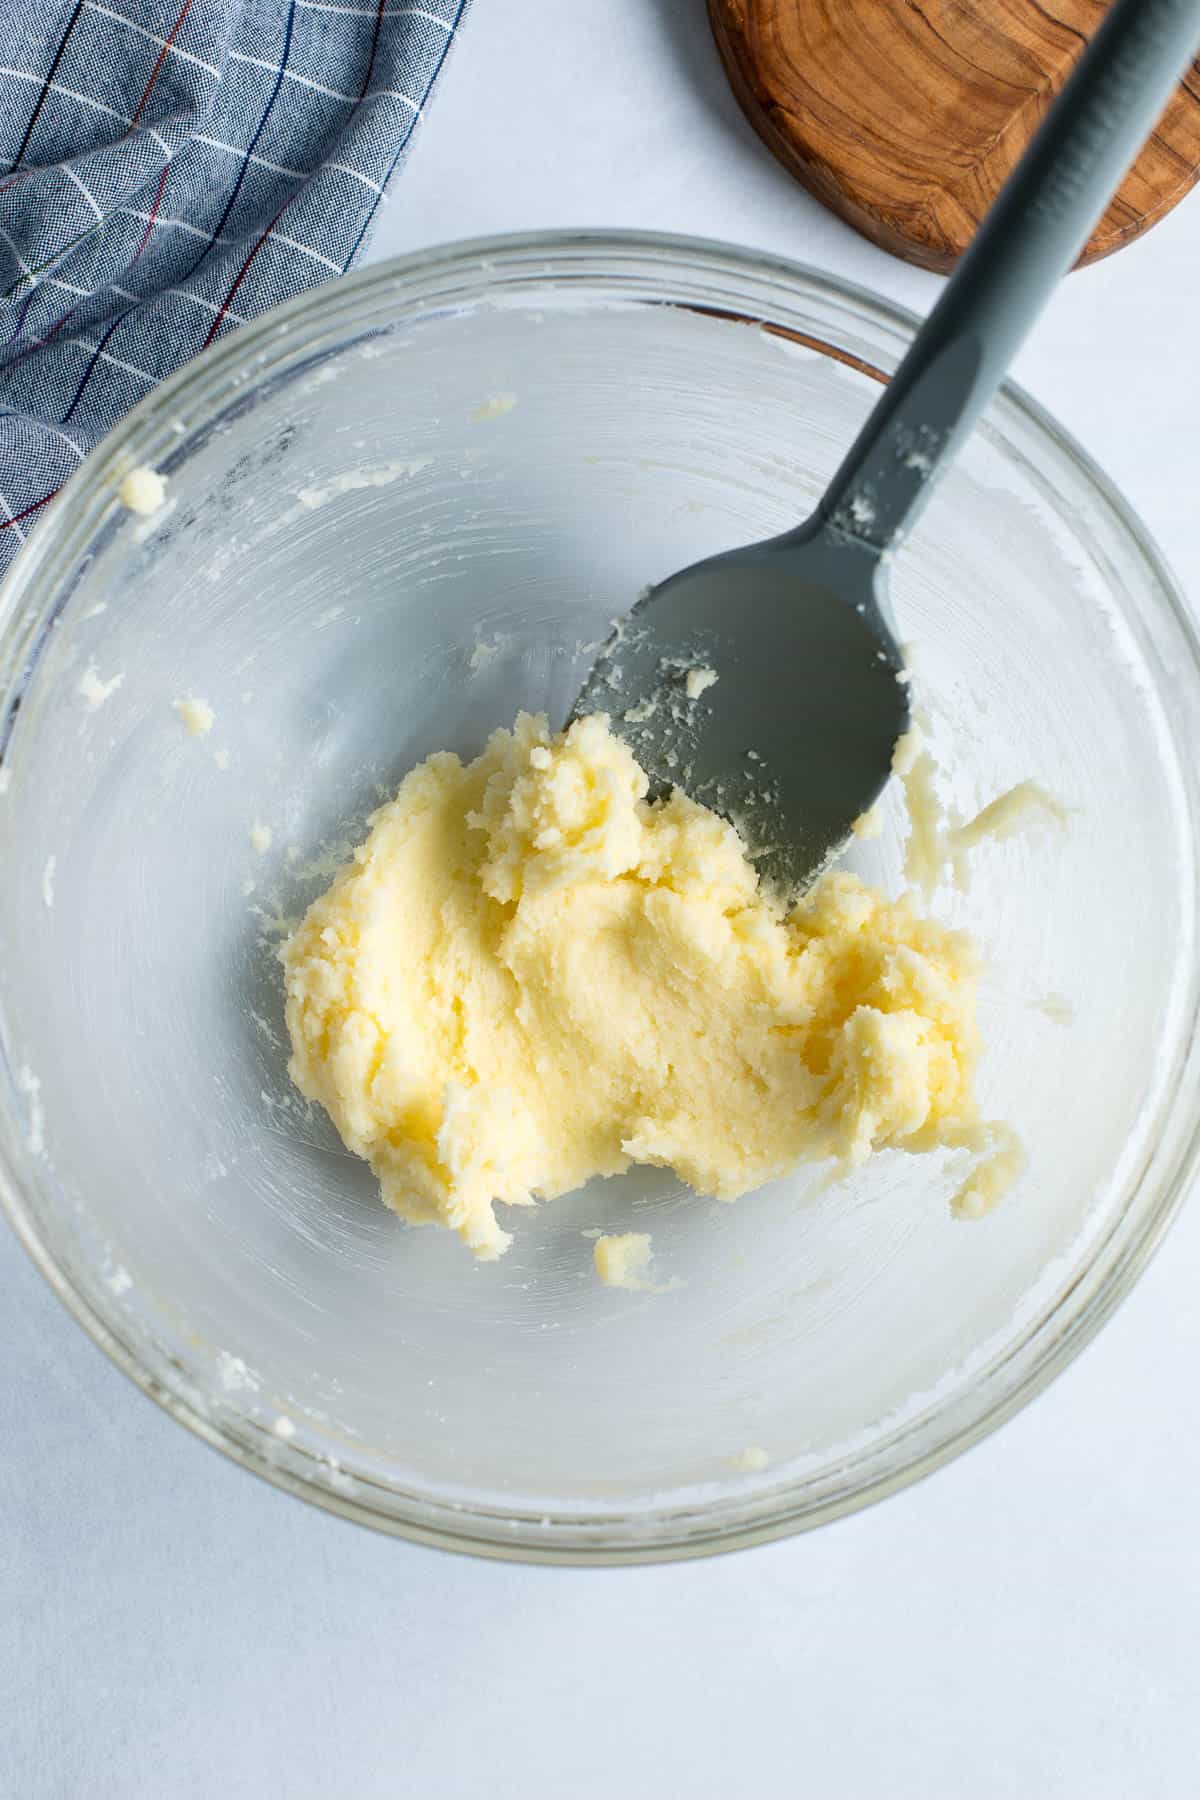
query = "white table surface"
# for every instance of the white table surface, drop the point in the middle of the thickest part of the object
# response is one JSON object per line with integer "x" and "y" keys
{"x": 1024, "y": 1623}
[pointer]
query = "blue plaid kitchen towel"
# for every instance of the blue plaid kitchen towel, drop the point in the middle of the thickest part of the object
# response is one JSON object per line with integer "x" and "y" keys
{"x": 168, "y": 170}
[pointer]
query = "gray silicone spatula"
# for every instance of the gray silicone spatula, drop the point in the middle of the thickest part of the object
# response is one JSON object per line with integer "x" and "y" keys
{"x": 796, "y": 739}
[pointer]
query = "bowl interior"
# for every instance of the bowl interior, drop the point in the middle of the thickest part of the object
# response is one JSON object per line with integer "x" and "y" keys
{"x": 386, "y": 545}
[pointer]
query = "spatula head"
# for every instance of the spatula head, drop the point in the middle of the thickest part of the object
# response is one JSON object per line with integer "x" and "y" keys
{"x": 794, "y": 738}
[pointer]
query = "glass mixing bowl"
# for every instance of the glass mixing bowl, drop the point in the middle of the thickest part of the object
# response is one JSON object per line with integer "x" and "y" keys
{"x": 400, "y": 508}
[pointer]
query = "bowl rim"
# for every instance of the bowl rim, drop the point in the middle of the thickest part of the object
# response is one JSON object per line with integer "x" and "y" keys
{"x": 681, "y": 1529}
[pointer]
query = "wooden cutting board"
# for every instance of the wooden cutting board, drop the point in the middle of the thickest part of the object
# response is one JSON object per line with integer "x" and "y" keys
{"x": 905, "y": 116}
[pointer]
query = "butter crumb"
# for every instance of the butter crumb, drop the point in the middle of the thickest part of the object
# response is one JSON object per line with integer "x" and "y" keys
{"x": 936, "y": 839}
{"x": 93, "y": 690}
{"x": 1055, "y": 1007}
{"x": 197, "y": 716}
{"x": 234, "y": 1374}
{"x": 624, "y": 1261}
{"x": 1026, "y": 804}
{"x": 260, "y": 837}
{"x": 870, "y": 823}
{"x": 494, "y": 407}
{"x": 907, "y": 750}
{"x": 750, "y": 1461}
{"x": 29, "y": 1085}
{"x": 142, "y": 491}
{"x": 925, "y": 851}
{"x": 993, "y": 1177}
{"x": 698, "y": 681}
{"x": 352, "y": 481}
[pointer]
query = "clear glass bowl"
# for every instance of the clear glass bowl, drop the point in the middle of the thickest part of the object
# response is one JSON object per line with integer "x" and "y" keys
{"x": 401, "y": 507}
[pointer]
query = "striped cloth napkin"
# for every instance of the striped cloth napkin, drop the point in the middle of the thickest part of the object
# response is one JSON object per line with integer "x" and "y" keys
{"x": 172, "y": 168}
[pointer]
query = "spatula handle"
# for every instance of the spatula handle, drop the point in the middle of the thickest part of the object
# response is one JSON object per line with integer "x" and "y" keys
{"x": 1032, "y": 234}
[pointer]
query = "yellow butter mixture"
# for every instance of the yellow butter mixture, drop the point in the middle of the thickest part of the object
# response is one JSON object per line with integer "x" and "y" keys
{"x": 529, "y": 975}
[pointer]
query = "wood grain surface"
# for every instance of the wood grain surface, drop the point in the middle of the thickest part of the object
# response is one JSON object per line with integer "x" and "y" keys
{"x": 905, "y": 116}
